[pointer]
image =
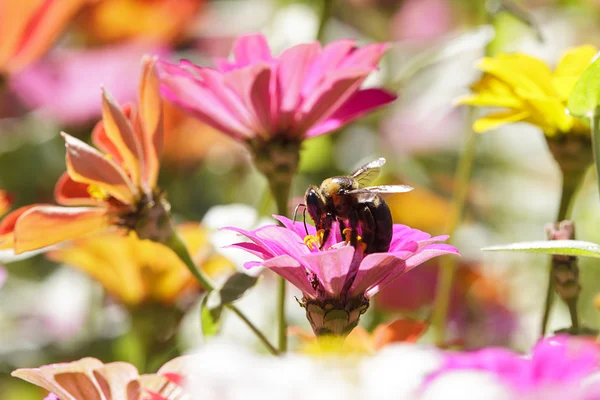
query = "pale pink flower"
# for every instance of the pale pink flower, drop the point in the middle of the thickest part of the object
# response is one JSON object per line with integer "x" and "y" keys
{"x": 338, "y": 281}
{"x": 64, "y": 85}
{"x": 304, "y": 92}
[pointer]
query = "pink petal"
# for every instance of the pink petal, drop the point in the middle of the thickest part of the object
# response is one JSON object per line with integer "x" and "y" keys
{"x": 297, "y": 226}
{"x": 291, "y": 71}
{"x": 331, "y": 267}
{"x": 291, "y": 270}
{"x": 366, "y": 56}
{"x": 329, "y": 59}
{"x": 251, "y": 85}
{"x": 251, "y": 49}
{"x": 359, "y": 104}
{"x": 191, "y": 94}
{"x": 325, "y": 100}
{"x": 373, "y": 270}
{"x": 252, "y": 248}
{"x": 429, "y": 252}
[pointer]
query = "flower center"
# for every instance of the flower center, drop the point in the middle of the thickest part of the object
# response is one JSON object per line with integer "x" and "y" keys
{"x": 97, "y": 192}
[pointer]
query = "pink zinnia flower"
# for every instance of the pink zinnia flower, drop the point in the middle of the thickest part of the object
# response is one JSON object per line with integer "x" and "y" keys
{"x": 273, "y": 103}
{"x": 338, "y": 281}
{"x": 556, "y": 363}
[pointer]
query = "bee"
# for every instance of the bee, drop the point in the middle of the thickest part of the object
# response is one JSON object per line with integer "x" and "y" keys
{"x": 361, "y": 212}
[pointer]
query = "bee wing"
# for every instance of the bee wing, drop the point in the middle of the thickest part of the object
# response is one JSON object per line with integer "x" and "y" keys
{"x": 368, "y": 193}
{"x": 368, "y": 172}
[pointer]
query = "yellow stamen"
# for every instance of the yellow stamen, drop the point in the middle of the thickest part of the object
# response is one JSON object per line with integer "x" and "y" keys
{"x": 311, "y": 242}
{"x": 97, "y": 193}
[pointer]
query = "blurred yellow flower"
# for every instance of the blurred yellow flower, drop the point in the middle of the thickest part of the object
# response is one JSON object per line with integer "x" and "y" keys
{"x": 29, "y": 27}
{"x": 529, "y": 91}
{"x": 360, "y": 341}
{"x": 156, "y": 20}
{"x": 137, "y": 271}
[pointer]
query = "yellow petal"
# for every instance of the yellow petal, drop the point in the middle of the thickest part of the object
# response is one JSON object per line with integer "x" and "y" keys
{"x": 491, "y": 92}
{"x": 111, "y": 260}
{"x": 520, "y": 71}
{"x": 44, "y": 226}
{"x": 120, "y": 132}
{"x": 570, "y": 68}
{"x": 550, "y": 112}
{"x": 151, "y": 122}
{"x": 87, "y": 165}
{"x": 495, "y": 120}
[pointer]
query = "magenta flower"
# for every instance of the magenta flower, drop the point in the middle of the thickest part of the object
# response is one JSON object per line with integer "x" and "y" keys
{"x": 558, "y": 362}
{"x": 305, "y": 92}
{"x": 273, "y": 103}
{"x": 338, "y": 281}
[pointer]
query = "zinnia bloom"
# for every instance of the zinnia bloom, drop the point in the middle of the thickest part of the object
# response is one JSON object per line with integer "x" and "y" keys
{"x": 29, "y": 27}
{"x": 89, "y": 378}
{"x": 117, "y": 188}
{"x": 555, "y": 368}
{"x": 154, "y": 274}
{"x": 529, "y": 91}
{"x": 272, "y": 103}
{"x": 338, "y": 281}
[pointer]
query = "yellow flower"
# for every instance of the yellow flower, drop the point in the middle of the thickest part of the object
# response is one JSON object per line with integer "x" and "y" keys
{"x": 137, "y": 271}
{"x": 529, "y": 91}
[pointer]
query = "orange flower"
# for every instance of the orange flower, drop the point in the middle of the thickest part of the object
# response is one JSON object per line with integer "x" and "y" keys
{"x": 157, "y": 20}
{"x": 153, "y": 272}
{"x": 117, "y": 188}
{"x": 359, "y": 341}
{"x": 5, "y": 202}
{"x": 89, "y": 378}
{"x": 29, "y": 27}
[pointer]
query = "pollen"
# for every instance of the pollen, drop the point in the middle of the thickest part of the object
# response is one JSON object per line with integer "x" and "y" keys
{"x": 97, "y": 193}
{"x": 311, "y": 242}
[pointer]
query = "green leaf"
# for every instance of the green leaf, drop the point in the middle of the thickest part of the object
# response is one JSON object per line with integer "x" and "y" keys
{"x": 558, "y": 247}
{"x": 210, "y": 318}
{"x": 235, "y": 287}
{"x": 585, "y": 97}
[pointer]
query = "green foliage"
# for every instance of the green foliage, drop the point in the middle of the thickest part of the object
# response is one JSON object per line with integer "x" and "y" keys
{"x": 585, "y": 98}
{"x": 559, "y": 247}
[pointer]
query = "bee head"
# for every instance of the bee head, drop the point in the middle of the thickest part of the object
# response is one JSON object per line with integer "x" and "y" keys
{"x": 315, "y": 204}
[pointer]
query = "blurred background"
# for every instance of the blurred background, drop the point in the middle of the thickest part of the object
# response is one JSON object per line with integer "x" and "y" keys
{"x": 118, "y": 299}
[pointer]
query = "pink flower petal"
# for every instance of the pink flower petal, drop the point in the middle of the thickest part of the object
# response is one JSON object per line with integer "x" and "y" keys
{"x": 251, "y": 49}
{"x": 359, "y": 104}
{"x": 366, "y": 56}
{"x": 291, "y": 72}
{"x": 372, "y": 271}
{"x": 329, "y": 60}
{"x": 331, "y": 267}
{"x": 291, "y": 270}
{"x": 297, "y": 226}
{"x": 324, "y": 101}
{"x": 429, "y": 252}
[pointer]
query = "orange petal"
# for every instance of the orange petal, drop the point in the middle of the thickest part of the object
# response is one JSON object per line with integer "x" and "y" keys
{"x": 114, "y": 379}
{"x": 119, "y": 130}
{"x": 87, "y": 165}
{"x": 66, "y": 380}
{"x": 102, "y": 142}
{"x": 6, "y": 201}
{"x": 28, "y": 28}
{"x": 67, "y": 192}
{"x": 7, "y": 226}
{"x": 43, "y": 226}
{"x": 401, "y": 330}
{"x": 151, "y": 121}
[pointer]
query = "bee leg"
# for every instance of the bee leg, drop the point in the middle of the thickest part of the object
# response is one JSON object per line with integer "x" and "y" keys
{"x": 369, "y": 228}
{"x": 326, "y": 229}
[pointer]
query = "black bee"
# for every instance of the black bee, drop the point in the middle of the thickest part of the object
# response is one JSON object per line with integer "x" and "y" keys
{"x": 359, "y": 210}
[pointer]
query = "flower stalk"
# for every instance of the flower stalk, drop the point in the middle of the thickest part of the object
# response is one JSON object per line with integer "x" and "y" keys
{"x": 277, "y": 159}
{"x": 448, "y": 264}
{"x": 175, "y": 243}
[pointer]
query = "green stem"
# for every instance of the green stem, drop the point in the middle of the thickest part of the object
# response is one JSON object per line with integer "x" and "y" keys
{"x": 175, "y": 243}
{"x": 326, "y": 10}
{"x": 595, "y": 126}
{"x": 281, "y": 192}
{"x": 448, "y": 264}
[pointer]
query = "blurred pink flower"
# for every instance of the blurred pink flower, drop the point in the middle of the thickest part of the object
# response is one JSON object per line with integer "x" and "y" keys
{"x": 65, "y": 85}
{"x": 558, "y": 362}
{"x": 421, "y": 20}
{"x": 339, "y": 276}
{"x": 305, "y": 92}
